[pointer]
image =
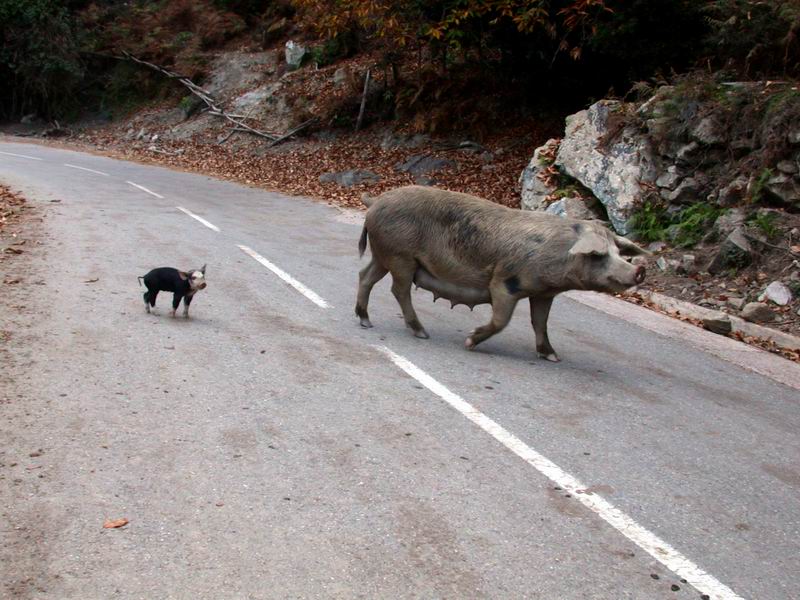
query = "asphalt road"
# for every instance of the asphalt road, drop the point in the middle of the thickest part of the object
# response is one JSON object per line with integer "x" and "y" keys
{"x": 268, "y": 447}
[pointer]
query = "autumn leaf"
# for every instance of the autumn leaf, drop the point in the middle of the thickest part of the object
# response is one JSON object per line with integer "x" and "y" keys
{"x": 115, "y": 523}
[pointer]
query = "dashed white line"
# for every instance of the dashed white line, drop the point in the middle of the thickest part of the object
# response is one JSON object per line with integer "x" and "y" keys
{"x": 144, "y": 189}
{"x": 21, "y": 155}
{"x": 316, "y": 299}
{"x": 647, "y": 541}
{"x": 85, "y": 169}
{"x": 201, "y": 219}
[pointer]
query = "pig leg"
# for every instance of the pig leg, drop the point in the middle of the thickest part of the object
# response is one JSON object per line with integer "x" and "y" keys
{"x": 367, "y": 278}
{"x": 187, "y": 300}
{"x": 176, "y": 301}
{"x": 540, "y": 310}
{"x": 402, "y": 278}
{"x": 150, "y": 298}
{"x": 503, "y": 305}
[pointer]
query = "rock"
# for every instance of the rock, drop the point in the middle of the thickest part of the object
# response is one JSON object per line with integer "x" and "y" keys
{"x": 574, "y": 208}
{"x": 757, "y": 312}
{"x": 421, "y": 165}
{"x": 709, "y": 132}
{"x": 341, "y": 77}
{"x": 613, "y": 171}
{"x": 668, "y": 180}
{"x": 392, "y": 141}
{"x": 295, "y": 53}
{"x": 350, "y": 178}
{"x": 687, "y": 192}
{"x": 727, "y": 222}
{"x": 733, "y": 193}
{"x": 719, "y": 325}
{"x": 689, "y": 264}
{"x": 734, "y": 252}
{"x": 688, "y": 153}
{"x": 655, "y": 107}
{"x": 656, "y": 246}
{"x": 665, "y": 265}
{"x": 785, "y": 188}
{"x": 534, "y": 190}
{"x": 777, "y": 293}
{"x": 741, "y": 147}
{"x": 788, "y": 167}
{"x": 735, "y": 302}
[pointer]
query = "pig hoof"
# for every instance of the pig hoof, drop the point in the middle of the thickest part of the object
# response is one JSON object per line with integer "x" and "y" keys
{"x": 421, "y": 334}
{"x": 551, "y": 357}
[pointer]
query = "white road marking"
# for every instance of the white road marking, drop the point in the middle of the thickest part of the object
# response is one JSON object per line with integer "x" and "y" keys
{"x": 144, "y": 189}
{"x": 85, "y": 169}
{"x": 647, "y": 541}
{"x": 316, "y": 299}
{"x": 201, "y": 219}
{"x": 21, "y": 155}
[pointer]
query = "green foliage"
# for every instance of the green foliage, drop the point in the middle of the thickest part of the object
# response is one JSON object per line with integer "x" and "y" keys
{"x": 332, "y": 49}
{"x": 650, "y": 222}
{"x": 39, "y": 57}
{"x": 756, "y": 35}
{"x": 693, "y": 222}
{"x": 765, "y": 221}
{"x": 760, "y": 185}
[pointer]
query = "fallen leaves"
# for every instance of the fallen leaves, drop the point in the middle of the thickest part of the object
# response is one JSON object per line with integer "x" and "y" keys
{"x": 115, "y": 523}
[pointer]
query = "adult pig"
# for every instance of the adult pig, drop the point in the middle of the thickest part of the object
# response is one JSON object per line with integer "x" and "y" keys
{"x": 472, "y": 251}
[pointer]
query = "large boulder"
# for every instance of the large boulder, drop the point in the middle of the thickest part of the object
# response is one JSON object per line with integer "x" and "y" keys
{"x": 295, "y": 53}
{"x": 613, "y": 167}
{"x": 535, "y": 185}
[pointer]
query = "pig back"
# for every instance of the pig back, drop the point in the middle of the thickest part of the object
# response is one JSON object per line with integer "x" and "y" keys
{"x": 455, "y": 236}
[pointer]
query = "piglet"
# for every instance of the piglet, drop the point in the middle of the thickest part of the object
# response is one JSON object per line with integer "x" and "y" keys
{"x": 183, "y": 284}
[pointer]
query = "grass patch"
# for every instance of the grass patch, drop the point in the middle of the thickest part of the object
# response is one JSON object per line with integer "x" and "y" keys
{"x": 766, "y": 223}
{"x": 650, "y": 222}
{"x": 693, "y": 223}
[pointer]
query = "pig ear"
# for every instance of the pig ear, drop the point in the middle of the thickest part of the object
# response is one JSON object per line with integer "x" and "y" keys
{"x": 628, "y": 248}
{"x": 203, "y": 270}
{"x": 590, "y": 242}
{"x": 183, "y": 275}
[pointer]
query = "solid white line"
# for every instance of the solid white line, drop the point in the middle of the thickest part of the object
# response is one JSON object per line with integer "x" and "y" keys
{"x": 286, "y": 277}
{"x": 201, "y": 219}
{"x": 144, "y": 189}
{"x": 20, "y": 155}
{"x": 85, "y": 169}
{"x": 647, "y": 541}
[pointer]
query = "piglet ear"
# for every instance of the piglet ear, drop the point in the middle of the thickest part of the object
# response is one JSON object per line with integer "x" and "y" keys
{"x": 183, "y": 275}
{"x": 203, "y": 270}
{"x": 590, "y": 242}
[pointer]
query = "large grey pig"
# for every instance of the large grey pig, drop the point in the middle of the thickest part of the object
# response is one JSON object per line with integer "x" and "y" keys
{"x": 472, "y": 251}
